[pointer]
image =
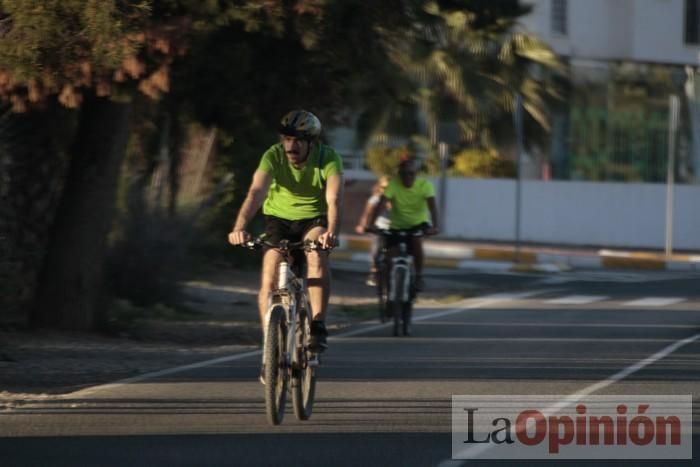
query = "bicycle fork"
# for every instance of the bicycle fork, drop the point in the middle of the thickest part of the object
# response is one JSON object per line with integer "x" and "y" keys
{"x": 287, "y": 301}
{"x": 402, "y": 293}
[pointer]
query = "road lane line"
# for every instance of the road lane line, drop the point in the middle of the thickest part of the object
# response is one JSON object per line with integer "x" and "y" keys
{"x": 475, "y": 303}
{"x": 156, "y": 374}
{"x": 474, "y": 451}
{"x": 655, "y": 301}
{"x": 565, "y": 325}
{"x": 577, "y": 299}
{"x": 469, "y": 304}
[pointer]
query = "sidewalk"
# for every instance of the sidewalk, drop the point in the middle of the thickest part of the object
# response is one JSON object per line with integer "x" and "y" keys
{"x": 455, "y": 254}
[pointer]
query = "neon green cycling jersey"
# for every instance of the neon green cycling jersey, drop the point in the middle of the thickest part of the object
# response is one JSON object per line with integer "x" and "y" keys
{"x": 297, "y": 194}
{"x": 408, "y": 205}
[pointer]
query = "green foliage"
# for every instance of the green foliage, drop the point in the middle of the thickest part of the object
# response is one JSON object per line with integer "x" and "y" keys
{"x": 58, "y": 47}
{"x": 463, "y": 61}
{"x": 619, "y": 126}
{"x": 383, "y": 160}
{"x": 63, "y": 32}
{"x": 483, "y": 163}
{"x": 237, "y": 158}
{"x": 431, "y": 156}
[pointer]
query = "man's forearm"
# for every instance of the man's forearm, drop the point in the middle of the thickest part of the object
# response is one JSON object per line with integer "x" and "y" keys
{"x": 434, "y": 216}
{"x": 334, "y": 216}
{"x": 432, "y": 207}
{"x": 366, "y": 213}
{"x": 372, "y": 217}
{"x": 374, "y": 212}
{"x": 334, "y": 200}
{"x": 250, "y": 206}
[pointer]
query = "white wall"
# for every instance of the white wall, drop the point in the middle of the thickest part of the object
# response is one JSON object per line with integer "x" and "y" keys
{"x": 597, "y": 29}
{"x": 571, "y": 213}
{"x": 636, "y": 30}
{"x": 658, "y": 33}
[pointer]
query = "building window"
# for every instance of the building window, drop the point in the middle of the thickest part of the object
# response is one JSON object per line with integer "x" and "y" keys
{"x": 692, "y": 21}
{"x": 559, "y": 17}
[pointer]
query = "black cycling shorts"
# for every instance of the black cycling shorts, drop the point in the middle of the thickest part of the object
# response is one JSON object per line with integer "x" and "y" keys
{"x": 393, "y": 240}
{"x": 277, "y": 229}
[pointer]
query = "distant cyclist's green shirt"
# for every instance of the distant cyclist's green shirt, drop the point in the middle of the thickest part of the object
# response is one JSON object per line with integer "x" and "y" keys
{"x": 408, "y": 205}
{"x": 297, "y": 194}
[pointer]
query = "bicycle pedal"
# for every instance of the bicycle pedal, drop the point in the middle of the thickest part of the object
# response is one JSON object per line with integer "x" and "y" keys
{"x": 315, "y": 360}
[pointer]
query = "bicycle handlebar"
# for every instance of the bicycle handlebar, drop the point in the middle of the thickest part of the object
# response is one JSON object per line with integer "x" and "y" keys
{"x": 284, "y": 245}
{"x": 398, "y": 232}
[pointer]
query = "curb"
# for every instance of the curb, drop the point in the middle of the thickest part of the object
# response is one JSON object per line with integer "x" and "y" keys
{"x": 453, "y": 255}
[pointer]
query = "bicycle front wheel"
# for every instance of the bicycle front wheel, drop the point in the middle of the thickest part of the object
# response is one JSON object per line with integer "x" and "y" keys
{"x": 304, "y": 376}
{"x": 275, "y": 366}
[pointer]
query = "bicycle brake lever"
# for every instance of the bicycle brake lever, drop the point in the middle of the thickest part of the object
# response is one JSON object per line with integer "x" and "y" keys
{"x": 311, "y": 245}
{"x": 252, "y": 245}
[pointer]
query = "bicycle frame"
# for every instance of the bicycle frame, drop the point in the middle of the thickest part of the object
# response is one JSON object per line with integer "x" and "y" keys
{"x": 402, "y": 261}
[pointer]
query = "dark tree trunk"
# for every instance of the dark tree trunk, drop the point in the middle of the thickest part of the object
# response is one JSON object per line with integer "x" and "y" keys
{"x": 32, "y": 171}
{"x": 70, "y": 289}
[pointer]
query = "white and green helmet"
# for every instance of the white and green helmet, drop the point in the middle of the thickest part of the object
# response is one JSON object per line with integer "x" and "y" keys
{"x": 301, "y": 124}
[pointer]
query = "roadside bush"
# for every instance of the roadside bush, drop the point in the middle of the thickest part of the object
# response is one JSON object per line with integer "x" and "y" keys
{"x": 145, "y": 265}
{"x": 383, "y": 160}
{"x": 483, "y": 163}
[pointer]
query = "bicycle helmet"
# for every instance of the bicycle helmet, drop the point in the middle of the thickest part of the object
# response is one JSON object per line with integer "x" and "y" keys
{"x": 407, "y": 163}
{"x": 300, "y": 124}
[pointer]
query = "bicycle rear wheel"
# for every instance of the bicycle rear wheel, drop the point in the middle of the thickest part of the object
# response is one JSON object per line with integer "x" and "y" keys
{"x": 397, "y": 305}
{"x": 406, "y": 312}
{"x": 382, "y": 294}
{"x": 304, "y": 377}
{"x": 275, "y": 366}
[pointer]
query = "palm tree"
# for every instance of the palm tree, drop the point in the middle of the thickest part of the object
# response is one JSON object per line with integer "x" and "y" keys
{"x": 466, "y": 65}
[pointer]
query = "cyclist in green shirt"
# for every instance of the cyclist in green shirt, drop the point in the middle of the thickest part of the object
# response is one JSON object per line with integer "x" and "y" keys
{"x": 412, "y": 200}
{"x": 299, "y": 184}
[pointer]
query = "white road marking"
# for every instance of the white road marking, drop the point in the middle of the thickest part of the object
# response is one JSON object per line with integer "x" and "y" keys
{"x": 576, "y": 299}
{"x": 473, "y": 452}
{"x": 608, "y": 276}
{"x": 156, "y": 374}
{"x": 655, "y": 301}
{"x": 469, "y": 304}
{"x": 568, "y": 325}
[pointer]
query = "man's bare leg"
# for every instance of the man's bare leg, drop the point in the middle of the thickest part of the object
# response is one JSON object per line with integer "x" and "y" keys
{"x": 268, "y": 277}
{"x": 418, "y": 262}
{"x": 318, "y": 281}
{"x": 418, "y": 255}
{"x": 318, "y": 277}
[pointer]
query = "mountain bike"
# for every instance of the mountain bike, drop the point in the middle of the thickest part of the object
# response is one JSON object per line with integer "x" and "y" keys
{"x": 287, "y": 331}
{"x": 396, "y": 288}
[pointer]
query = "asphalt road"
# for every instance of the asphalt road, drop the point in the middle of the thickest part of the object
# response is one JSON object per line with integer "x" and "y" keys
{"x": 387, "y": 401}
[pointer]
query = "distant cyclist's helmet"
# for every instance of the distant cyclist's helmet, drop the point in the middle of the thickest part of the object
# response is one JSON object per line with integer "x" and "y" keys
{"x": 300, "y": 124}
{"x": 407, "y": 163}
